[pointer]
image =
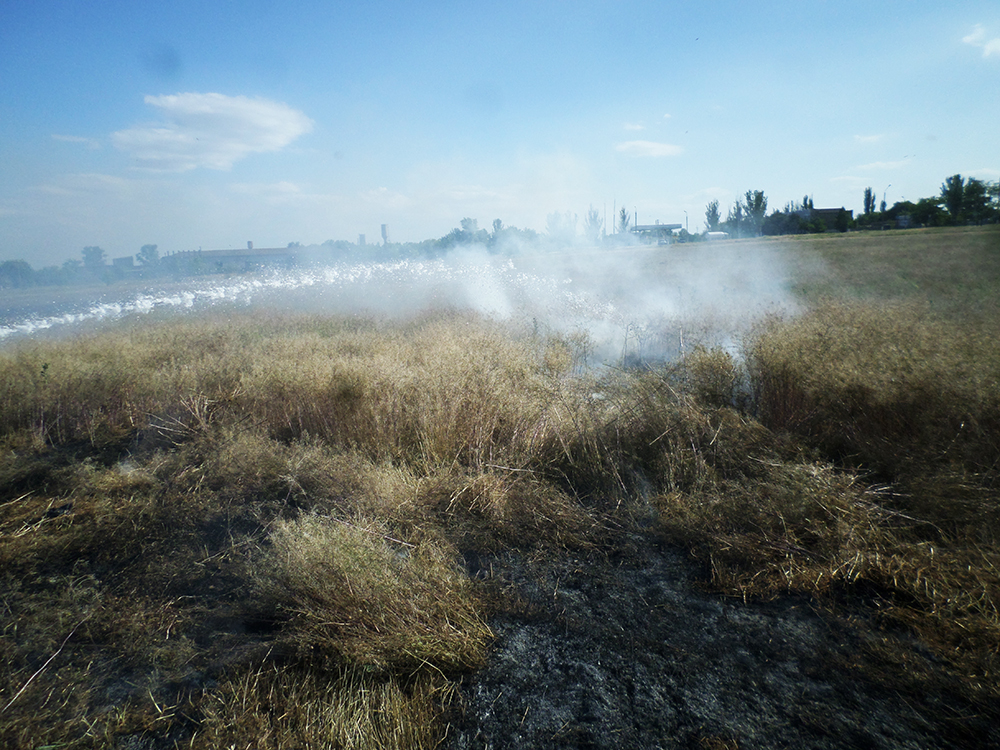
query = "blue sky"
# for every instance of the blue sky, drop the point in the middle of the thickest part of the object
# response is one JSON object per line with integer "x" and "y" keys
{"x": 207, "y": 124}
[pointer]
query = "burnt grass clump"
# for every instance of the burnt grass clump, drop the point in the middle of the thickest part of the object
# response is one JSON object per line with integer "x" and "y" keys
{"x": 296, "y": 531}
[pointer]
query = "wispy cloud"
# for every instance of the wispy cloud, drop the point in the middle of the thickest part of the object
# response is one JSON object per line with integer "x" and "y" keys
{"x": 90, "y": 143}
{"x": 633, "y": 126}
{"x": 210, "y": 130}
{"x": 648, "y": 149}
{"x": 868, "y": 138}
{"x": 979, "y": 38}
{"x": 269, "y": 191}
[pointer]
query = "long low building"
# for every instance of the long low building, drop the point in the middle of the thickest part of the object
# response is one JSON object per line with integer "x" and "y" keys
{"x": 659, "y": 233}
{"x": 244, "y": 259}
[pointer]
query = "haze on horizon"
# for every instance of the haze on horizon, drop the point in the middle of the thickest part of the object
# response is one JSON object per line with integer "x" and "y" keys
{"x": 207, "y": 124}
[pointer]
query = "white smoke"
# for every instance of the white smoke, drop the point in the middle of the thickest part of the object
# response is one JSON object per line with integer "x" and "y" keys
{"x": 633, "y": 302}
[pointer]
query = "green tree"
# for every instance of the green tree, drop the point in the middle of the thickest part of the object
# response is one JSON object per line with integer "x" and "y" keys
{"x": 735, "y": 221}
{"x": 712, "y": 217}
{"x": 93, "y": 256}
{"x": 952, "y": 195}
{"x": 976, "y": 201}
{"x": 624, "y": 220}
{"x": 15, "y": 274}
{"x": 927, "y": 212}
{"x": 783, "y": 222}
{"x": 993, "y": 191}
{"x": 869, "y": 201}
{"x": 754, "y": 210}
{"x": 467, "y": 235}
{"x": 497, "y": 235}
{"x": 843, "y": 222}
{"x": 148, "y": 256}
{"x": 593, "y": 227}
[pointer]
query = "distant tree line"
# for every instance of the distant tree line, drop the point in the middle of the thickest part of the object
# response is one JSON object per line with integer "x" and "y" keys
{"x": 961, "y": 201}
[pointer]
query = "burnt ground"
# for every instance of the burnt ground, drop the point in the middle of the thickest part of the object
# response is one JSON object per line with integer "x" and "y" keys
{"x": 620, "y": 648}
{"x": 631, "y": 651}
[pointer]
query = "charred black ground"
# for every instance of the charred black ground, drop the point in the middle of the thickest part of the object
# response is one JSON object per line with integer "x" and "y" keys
{"x": 631, "y": 650}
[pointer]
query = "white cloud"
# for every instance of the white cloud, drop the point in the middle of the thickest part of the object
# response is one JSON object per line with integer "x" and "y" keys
{"x": 210, "y": 130}
{"x": 979, "y": 38}
{"x": 633, "y": 126}
{"x": 648, "y": 149}
{"x": 90, "y": 143}
{"x": 868, "y": 138}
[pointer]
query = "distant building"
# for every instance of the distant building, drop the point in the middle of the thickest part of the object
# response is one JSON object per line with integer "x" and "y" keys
{"x": 655, "y": 233}
{"x": 233, "y": 260}
{"x": 126, "y": 262}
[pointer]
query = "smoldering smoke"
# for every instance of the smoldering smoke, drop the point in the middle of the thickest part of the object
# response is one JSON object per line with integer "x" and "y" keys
{"x": 634, "y": 303}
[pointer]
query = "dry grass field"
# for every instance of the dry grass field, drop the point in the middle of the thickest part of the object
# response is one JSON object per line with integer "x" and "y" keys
{"x": 250, "y": 530}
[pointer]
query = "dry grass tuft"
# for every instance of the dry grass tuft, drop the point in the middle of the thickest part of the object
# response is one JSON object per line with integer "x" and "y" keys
{"x": 357, "y": 592}
{"x": 302, "y": 709}
{"x": 502, "y": 509}
{"x": 713, "y": 377}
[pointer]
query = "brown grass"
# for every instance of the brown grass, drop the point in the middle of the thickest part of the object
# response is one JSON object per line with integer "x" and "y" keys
{"x": 894, "y": 412}
{"x": 358, "y": 593}
{"x": 296, "y": 708}
{"x": 889, "y": 388}
{"x": 252, "y": 526}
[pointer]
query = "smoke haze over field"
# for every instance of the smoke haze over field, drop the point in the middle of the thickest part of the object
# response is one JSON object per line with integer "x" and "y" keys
{"x": 633, "y": 302}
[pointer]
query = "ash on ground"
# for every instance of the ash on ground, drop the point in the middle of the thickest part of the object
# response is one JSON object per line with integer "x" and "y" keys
{"x": 631, "y": 651}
